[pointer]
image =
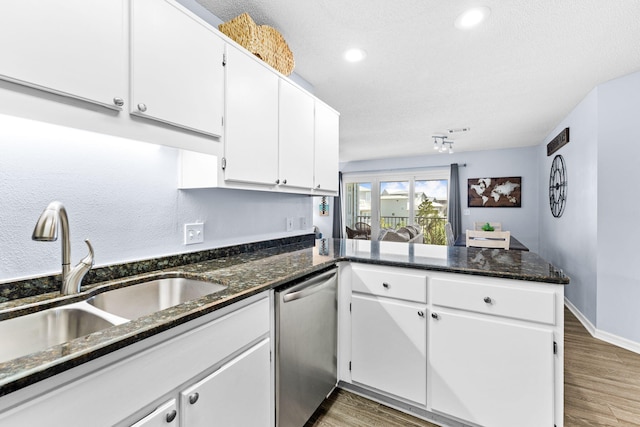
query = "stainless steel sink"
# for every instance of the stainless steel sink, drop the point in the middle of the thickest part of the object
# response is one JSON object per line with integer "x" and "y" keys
{"x": 37, "y": 331}
{"x": 145, "y": 298}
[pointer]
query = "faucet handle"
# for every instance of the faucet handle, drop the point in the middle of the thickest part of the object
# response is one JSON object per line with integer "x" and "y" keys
{"x": 71, "y": 284}
{"x": 88, "y": 260}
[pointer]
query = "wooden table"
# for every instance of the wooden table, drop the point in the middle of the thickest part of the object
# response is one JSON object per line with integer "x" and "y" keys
{"x": 514, "y": 244}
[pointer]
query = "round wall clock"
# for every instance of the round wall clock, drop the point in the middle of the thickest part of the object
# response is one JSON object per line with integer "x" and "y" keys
{"x": 557, "y": 186}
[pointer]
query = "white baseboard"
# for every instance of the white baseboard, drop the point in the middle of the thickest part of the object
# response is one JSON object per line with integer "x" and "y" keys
{"x": 602, "y": 335}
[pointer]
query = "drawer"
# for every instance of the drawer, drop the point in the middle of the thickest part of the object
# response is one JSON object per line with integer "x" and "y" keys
{"x": 499, "y": 300}
{"x": 390, "y": 282}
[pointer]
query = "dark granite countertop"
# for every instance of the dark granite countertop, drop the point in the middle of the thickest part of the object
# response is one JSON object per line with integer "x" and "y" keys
{"x": 246, "y": 273}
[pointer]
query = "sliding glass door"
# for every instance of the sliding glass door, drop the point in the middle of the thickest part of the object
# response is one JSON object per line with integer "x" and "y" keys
{"x": 432, "y": 203}
{"x": 358, "y": 209}
{"x": 377, "y": 203}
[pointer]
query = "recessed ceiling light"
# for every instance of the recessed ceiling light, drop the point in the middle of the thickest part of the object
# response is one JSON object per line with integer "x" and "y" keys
{"x": 472, "y": 17}
{"x": 355, "y": 55}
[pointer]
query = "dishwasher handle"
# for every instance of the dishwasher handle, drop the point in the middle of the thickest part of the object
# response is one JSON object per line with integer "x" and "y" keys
{"x": 310, "y": 287}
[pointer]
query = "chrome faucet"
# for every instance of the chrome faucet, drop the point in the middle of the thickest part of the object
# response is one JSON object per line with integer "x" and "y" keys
{"x": 46, "y": 230}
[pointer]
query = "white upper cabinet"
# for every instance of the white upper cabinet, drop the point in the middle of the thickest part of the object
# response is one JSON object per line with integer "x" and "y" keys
{"x": 296, "y": 137}
{"x": 326, "y": 148}
{"x": 177, "y": 72}
{"x": 72, "y": 48}
{"x": 251, "y": 120}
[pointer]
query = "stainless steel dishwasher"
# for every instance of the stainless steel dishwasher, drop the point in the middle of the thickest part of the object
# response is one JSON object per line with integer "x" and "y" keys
{"x": 306, "y": 344}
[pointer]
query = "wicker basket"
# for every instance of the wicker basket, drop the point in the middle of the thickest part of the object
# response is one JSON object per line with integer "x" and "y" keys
{"x": 263, "y": 41}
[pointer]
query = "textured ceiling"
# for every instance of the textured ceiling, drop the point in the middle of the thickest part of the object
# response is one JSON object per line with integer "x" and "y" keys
{"x": 511, "y": 80}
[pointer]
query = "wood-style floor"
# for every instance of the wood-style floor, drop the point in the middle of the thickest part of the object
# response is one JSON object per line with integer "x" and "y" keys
{"x": 601, "y": 388}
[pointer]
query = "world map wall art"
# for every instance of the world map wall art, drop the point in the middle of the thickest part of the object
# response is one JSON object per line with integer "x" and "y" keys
{"x": 495, "y": 192}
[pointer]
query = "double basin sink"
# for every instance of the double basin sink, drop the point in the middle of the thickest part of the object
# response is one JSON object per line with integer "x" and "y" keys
{"x": 43, "y": 329}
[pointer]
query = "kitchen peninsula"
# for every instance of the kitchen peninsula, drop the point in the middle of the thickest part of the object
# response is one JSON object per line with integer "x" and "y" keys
{"x": 519, "y": 313}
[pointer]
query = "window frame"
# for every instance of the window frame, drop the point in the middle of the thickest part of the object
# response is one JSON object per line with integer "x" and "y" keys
{"x": 375, "y": 178}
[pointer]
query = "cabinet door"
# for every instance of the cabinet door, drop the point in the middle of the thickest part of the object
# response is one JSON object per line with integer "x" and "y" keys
{"x": 493, "y": 373}
{"x": 164, "y": 416}
{"x": 326, "y": 149}
{"x": 389, "y": 346}
{"x": 237, "y": 394}
{"x": 295, "y": 137}
{"x": 177, "y": 74}
{"x": 251, "y": 120}
{"x": 68, "y": 47}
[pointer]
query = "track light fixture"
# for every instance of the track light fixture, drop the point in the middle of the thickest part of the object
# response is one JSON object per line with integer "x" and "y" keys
{"x": 441, "y": 145}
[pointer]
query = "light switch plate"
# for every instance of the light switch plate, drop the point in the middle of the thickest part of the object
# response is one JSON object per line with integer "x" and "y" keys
{"x": 303, "y": 223}
{"x": 289, "y": 224}
{"x": 193, "y": 233}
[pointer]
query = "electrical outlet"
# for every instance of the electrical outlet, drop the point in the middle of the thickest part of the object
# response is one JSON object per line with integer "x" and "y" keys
{"x": 466, "y": 212}
{"x": 303, "y": 223}
{"x": 193, "y": 233}
{"x": 289, "y": 224}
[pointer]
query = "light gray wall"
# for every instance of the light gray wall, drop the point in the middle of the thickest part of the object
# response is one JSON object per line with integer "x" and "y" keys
{"x": 571, "y": 241}
{"x": 122, "y": 195}
{"x": 595, "y": 241}
{"x": 522, "y": 162}
{"x": 619, "y": 207}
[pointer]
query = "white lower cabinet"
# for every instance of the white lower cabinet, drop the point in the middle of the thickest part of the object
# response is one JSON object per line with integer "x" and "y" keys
{"x": 165, "y": 415}
{"x": 389, "y": 346}
{"x": 491, "y": 372}
{"x": 389, "y": 331}
{"x": 452, "y": 347}
{"x": 224, "y": 396}
{"x": 223, "y": 357}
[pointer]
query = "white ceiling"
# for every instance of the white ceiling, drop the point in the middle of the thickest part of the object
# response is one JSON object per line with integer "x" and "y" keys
{"x": 511, "y": 80}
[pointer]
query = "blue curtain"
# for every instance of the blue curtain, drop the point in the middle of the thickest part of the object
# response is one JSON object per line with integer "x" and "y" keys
{"x": 454, "y": 215}
{"x": 338, "y": 230}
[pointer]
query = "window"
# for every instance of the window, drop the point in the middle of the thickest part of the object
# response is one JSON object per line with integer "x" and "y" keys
{"x": 392, "y": 201}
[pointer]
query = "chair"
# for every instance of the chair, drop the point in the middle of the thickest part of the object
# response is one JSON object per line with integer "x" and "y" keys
{"x": 451, "y": 240}
{"x": 356, "y": 234}
{"x": 364, "y": 229}
{"x": 497, "y": 226}
{"x": 488, "y": 239}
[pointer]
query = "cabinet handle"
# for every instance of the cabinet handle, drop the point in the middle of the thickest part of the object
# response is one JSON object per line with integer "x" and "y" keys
{"x": 385, "y": 285}
{"x": 284, "y": 181}
{"x": 194, "y": 398}
{"x": 171, "y": 416}
{"x": 421, "y": 313}
{"x": 318, "y": 186}
{"x": 277, "y": 181}
{"x": 435, "y": 316}
{"x": 118, "y": 101}
{"x": 142, "y": 107}
{"x": 488, "y": 300}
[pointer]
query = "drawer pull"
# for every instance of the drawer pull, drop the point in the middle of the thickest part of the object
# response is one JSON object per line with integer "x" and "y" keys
{"x": 488, "y": 300}
{"x": 435, "y": 316}
{"x": 385, "y": 285}
{"x": 171, "y": 416}
{"x": 421, "y": 313}
{"x": 194, "y": 398}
